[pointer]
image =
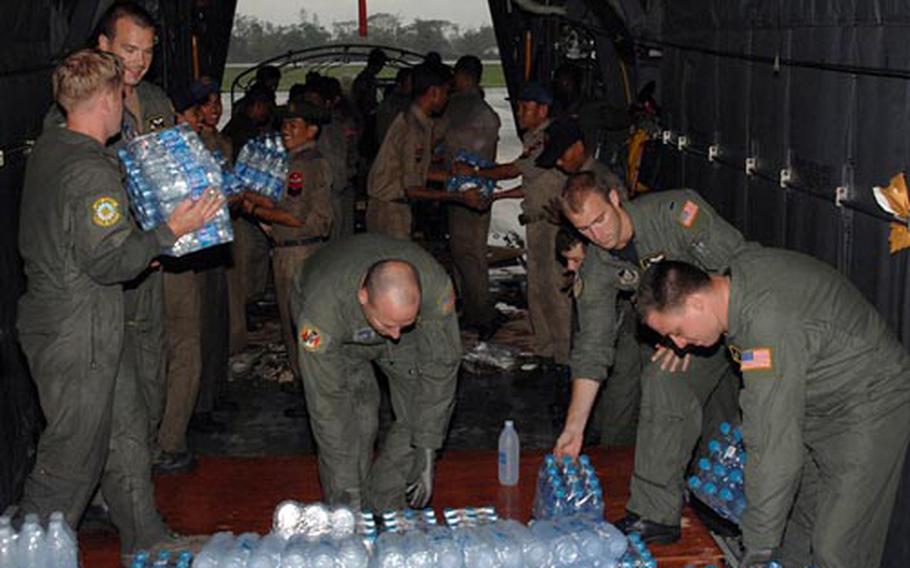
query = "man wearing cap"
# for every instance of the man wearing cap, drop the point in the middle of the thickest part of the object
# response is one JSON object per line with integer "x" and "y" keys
{"x": 302, "y": 220}
{"x": 374, "y": 299}
{"x": 565, "y": 149}
{"x": 402, "y": 166}
{"x": 549, "y": 309}
{"x": 682, "y": 394}
{"x": 470, "y": 124}
{"x": 826, "y": 399}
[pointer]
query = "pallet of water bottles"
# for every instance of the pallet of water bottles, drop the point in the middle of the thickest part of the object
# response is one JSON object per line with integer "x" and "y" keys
{"x": 718, "y": 481}
{"x": 261, "y": 167}
{"x": 36, "y": 546}
{"x": 163, "y": 169}
{"x": 316, "y": 536}
{"x": 462, "y": 183}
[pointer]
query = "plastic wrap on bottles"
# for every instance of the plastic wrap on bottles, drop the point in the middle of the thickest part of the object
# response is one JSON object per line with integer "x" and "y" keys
{"x": 565, "y": 488}
{"x": 637, "y": 555}
{"x": 718, "y": 481}
{"x": 315, "y": 520}
{"x": 462, "y": 183}
{"x": 404, "y": 520}
{"x": 163, "y": 169}
{"x": 262, "y": 167}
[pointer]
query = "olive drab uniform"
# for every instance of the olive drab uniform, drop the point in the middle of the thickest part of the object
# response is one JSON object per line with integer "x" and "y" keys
{"x": 307, "y": 197}
{"x": 826, "y": 410}
{"x": 144, "y": 297}
{"x": 472, "y": 125}
{"x": 73, "y": 332}
{"x": 337, "y": 346}
{"x": 337, "y": 143}
{"x": 550, "y": 310}
{"x": 608, "y": 349}
{"x": 675, "y": 407}
{"x": 620, "y": 400}
{"x": 403, "y": 161}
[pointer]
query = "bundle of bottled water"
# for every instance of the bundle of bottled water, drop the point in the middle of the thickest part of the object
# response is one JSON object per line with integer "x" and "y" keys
{"x": 230, "y": 185}
{"x": 462, "y": 183}
{"x": 163, "y": 169}
{"x": 164, "y": 559}
{"x": 718, "y": 481}
{"x": 262, "y": 166}
{"x": 637, "y": 555}
{"x": 35, "y": 546}
{"x": 567, "y": 488}
{"x": 249, "y": 550}
{"x": 567, "y": 542}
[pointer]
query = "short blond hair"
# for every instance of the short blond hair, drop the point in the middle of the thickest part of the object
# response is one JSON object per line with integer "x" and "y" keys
{"x": 84, "y": 74}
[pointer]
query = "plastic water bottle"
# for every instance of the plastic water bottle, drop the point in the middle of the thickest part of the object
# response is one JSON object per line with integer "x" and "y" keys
{"x": 508, "y": 455}
{"x": 352, "y": 553}
{"x": 7, "y": 544}
{"x": 446, "y": 550}
{"x": 508, "y": 551}
{"x": 322, "y": 555}
{"x": 296, "y": 553}
{"x": 61, "y": 543}
{"x": 31, "y": 544}
{"x": 213, "y": 550}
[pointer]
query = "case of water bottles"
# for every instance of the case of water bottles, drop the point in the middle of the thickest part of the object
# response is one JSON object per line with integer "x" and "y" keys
{"x": 262, "y": 167}
{"x": 718, "y": 481}
{"x": 565, "y": 488}
{"x": 463, "y": 183}
{"x": 34, "y": 546}
{"x": 164, "y": 168}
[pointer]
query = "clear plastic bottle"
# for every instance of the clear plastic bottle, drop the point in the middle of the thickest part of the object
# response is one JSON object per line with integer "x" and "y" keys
{"x": 213, "y": 550}
{"x": 7, "y": 544}
{"x": 61, "y": 543}
{"x": 31, "y": 544}
{"x": 508, "y": 455}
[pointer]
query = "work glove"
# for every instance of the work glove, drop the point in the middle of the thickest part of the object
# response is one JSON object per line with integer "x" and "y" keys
{"x": 756, "y": 558}
{"x": 420, "y": 489}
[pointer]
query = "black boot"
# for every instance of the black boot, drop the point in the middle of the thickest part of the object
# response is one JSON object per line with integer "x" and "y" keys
{"x": 649, "y": 531}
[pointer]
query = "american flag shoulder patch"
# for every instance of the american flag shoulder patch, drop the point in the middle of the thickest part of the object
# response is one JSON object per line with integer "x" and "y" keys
{"x": 756, "y": 359}
{"x": 688, "y": 214}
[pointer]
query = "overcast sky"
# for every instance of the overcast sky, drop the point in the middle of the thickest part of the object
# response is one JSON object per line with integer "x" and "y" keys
{"x": 465, "y": 13}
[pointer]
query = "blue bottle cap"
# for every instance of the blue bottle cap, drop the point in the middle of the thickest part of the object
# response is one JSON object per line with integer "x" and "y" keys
{"x": 714, "y": 446}
{"x": 694, "y": 482}
{"x": 725, "y": 428}
{"x": 709, "y": 488}
{"x": 704, "y": 464}
{"x": 720, "y": 470}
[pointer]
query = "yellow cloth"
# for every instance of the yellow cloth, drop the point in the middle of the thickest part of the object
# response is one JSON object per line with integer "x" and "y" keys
{"x": 896, "y": 194}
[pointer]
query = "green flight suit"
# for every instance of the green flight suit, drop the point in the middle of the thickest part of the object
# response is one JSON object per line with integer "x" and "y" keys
{"x": 78, "y": 246}
{"x": 675, "y": 407}
{"x": 144, "y": 296}
{"x": 826, "y": 410}
{"x": 336, "y": 348}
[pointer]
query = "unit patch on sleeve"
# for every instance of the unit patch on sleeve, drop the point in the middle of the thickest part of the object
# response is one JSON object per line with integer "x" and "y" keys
{"x": 105, "y": 212}
{"x": 688, "y": 214}
{"x": 447, "y": 300}
{"x": 756, "y": 359}
{"x": 311, "y": 339}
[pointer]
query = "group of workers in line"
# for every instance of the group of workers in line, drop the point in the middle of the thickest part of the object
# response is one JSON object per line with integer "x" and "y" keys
{"x": 684, "y": 322}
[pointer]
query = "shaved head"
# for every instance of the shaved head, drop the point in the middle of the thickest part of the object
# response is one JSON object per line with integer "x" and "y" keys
{"x": 390, "y": 296}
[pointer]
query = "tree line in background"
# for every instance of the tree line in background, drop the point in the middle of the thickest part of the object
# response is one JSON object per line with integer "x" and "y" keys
{"x": 253, "y": 39}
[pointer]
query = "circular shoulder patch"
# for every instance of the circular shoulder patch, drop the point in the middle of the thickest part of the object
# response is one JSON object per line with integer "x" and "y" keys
{"x": 105, "y": 211}
{"x": 311, "y": 338}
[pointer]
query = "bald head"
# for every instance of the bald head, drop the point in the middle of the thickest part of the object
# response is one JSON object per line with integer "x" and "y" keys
{"x": 390, "y": 296}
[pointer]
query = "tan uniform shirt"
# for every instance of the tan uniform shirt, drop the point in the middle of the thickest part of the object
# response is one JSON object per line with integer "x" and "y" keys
{"x": 540, "y": 185}
{"x": 217, "y": 142}
{"x": 306, "y": 196}
{"x": 404, "y": 157}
